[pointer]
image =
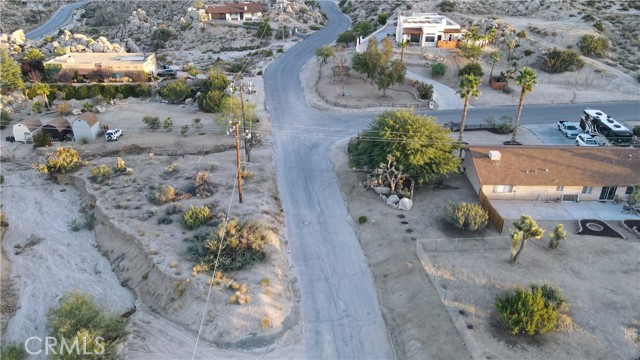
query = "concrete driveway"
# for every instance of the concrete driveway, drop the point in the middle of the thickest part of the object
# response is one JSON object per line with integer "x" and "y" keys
{"x": 550, "y": 135}
{"x": 561, "y": 210}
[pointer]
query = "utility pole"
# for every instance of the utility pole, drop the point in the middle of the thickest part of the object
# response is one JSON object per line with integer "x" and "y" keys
{"x": 238, "y": 160}
{"x": 246, "y": 137}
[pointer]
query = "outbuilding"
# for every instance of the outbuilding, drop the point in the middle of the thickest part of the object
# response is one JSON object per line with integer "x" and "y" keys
{"x": 26, "y": 129}
{"x": 86, "y": 126}
{"x": 58, "y": 129}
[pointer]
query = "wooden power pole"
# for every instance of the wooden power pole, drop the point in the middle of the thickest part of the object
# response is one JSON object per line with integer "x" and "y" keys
{"x": 238, "y": 160}
{"x": 246, "y": 137}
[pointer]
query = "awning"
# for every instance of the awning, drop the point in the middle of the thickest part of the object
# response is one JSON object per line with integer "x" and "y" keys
{"x": 452, "y": 31}
{"x": 412, "y": 31}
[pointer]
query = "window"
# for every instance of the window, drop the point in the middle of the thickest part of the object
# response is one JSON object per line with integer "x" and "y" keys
{"x": 629, "y": 190}
{"x": 587, "y": 189}
{"x": 560, "y": 188}
{"x": 430, "y": 38}
{"x": 502, "y": 188}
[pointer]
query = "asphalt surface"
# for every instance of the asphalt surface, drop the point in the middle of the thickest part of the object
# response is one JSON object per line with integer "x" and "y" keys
{"x": 59, "y": 19}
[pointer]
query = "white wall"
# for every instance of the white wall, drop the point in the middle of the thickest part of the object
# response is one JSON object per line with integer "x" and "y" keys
{"x": 81, "y": 130}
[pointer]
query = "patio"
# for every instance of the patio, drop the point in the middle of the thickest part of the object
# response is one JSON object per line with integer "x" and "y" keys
{"x": 562, "y": 210}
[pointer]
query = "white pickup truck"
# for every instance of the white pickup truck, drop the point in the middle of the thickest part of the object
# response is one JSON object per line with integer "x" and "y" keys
{"x": 569, "y": 129}
{"x": 113, "y": 134}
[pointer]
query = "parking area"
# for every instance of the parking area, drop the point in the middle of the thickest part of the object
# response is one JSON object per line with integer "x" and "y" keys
{"x": 550, "y": 135}
{"x": 562, "y": 210}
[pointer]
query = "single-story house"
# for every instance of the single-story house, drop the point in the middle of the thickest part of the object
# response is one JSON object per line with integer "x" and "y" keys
{"x": 26, "y": 129}
{"x": 547, "y": 173}
{"x": 86, "y": 126}
{"x": 428, "y": 29}
{"x": 58, "y": 129}
{"x": 118, "y": 63}
{"x": 244, "y": 11}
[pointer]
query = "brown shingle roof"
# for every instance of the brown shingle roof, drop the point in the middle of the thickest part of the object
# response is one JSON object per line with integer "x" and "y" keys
{"x": 452, "y": 31}
{"x": 31, "y": 123}
{"x": 89, "y": 117}
{"x": 412, "y": 31}
{"x": 59, "y": 124}
{"x": 557, "y": 166}
{"x": 251, "y": 7}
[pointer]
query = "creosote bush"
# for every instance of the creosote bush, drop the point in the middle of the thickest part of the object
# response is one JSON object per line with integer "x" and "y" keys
{"x": 594, "y": 45}
{"x": 195, "y": 217}
{"x": 100, "y": 173}
{"x": 152, "y": 121}
{"x": 362, "y": 219}
{"x": 64, "y": 160}
{"x": 557, "y": 61}
{"x": 466, "y": 216}
{"x": 163, "y": 194}
{"x": 243, "y": 245}
{"x": 526, "y": 312}
{"x": 438, "y": 69}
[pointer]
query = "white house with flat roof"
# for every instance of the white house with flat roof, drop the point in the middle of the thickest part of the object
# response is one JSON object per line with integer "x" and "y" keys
{"x": 118, "y": 63}
{"x": 428, "y": 29}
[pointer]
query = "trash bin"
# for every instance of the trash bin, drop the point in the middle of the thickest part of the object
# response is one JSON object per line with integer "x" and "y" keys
{"x": 431, "y": 105}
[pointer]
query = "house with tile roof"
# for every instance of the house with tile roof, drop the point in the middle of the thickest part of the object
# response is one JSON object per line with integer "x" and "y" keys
{"x": 244, "y": 11}
{"x": 547, "y": 173}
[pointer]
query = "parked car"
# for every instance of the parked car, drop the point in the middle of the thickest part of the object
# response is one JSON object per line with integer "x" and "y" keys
{"x": 113, "y": 134}
{"x": 568, "y": 128}
{"x": 586, "y": 140}
{"x": 168, "y": 73}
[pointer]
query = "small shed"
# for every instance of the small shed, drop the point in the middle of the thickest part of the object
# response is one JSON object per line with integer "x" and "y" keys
{"x": 26, "y": 129}
{"x": 86, "y": 125}
{"x": 58, "y": 128}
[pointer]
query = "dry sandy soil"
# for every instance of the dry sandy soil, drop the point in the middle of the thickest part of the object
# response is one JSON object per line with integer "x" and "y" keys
{"x": 148, "y": 257}
{"x": 469, "y": 270}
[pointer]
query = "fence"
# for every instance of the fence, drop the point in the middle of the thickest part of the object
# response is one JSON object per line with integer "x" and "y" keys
{"x": 494, "y": 215}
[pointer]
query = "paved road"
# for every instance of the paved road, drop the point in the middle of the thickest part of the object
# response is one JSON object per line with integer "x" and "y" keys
{"x": 339, "y": 306}
{"x": 59, "y": 19}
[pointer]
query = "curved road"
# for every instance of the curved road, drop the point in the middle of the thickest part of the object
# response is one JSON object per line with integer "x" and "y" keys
{"x": 59, "y": 19}
{"x": 339, "y": 305}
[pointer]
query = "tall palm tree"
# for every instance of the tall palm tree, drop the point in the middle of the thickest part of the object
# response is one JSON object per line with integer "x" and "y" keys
{"x": 526, "y": 78}
{"x": 494, "y": 58}
{"x": 468, "y": 87}
{"x": 43, "y": 90}
{"x": 403, "y": 45}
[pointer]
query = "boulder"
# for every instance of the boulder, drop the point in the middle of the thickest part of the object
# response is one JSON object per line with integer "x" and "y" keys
{"x": 189, "y": 101}
{"x": 131, "y": 46}
{"x": 405, "y": 204}
{"x": 17, "y": 37}
{"x": 100, "y": 109}
{"x": 393, "y": 200}
{"x": 382, "y": 190}
{"x": 76, "y": 112}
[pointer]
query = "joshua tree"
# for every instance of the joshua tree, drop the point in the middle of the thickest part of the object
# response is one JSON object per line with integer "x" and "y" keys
{"x": 526, "y": 78}
{"x": 494, "y": 58}
{"x": 468, "y": 87}
{"x": 403, "y": 45}
{"x": 511, "y": 44}
{"x": 556, "y": 236}
{"x": 524, "y": 229}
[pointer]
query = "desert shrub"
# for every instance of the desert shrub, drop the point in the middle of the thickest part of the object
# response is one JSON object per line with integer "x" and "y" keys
{"x": 163, "y": 194}
{"x": 438, "y": 69}
{"x": 184, "y": 130}
{"x": 41, "y": 139}
{"x": 594, "y": 45}
{"x": 100, "y": 173}
{"x": 525, "y": 312}
{"x": 197, "y": 123}
{"x": 507, "y": 89}
{"x": 63, "y": 108}
{"x": 62, "y": 161}
{"x": 362, "y": 219}
{"x": 598, "y": 25}
{"x": 473, "y": 68}
{"x": 210, "y": 101}
{"x": 5, "y": 118}
{"x": 466, "y": 216}
{"x": 636, "y": 130}
{"x": 13, "y": 352}
{"x": 557, "y": 61}
{"x": 243, "y": 245}
{"x": 528, "y": 52}
{"x": 174, "y": 91}
{"x": 447, "y": 6}
{"x": 172, "y": 168}
{"x": 77, "y": 319}
{"x": 120, "y": 166}
{"x": 151, "y": 121}
{"x": 203, "y": 187}
{"x": 471, "y": 52}
{"x": 245, "y": 174}
{"x": 551, "y": 294}
{"x": 173, "y": 208}
{"x": 425, "y": 91}
{"x": 86, "y": 107}
{"x": 195, "y": 217}
{"x": 136, "y": 76}
{"x": 556, "y": 236}
{"x": 89, "y": 220}
{"x": 167, "y": 124}
{"x": 521, "y": 34}
{"x": 37, "y": 106}
{"x": 99, "y": 75}
{"x": 74, "y": 225}
{"x": 506, "y": 125}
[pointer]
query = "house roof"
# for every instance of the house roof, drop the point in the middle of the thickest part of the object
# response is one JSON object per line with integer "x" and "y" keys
{"x": 59, "y": 124}
{"x": 412, "y": 31}
{"x": 249, "y": 7}
{"x": 452, "y": 31}
{"x": 30, "y": 123}
{"x": 557, "y": 166}
{"x": 89, "y": 117}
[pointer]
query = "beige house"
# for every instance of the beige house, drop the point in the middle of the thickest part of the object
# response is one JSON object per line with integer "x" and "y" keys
{"x": 546, "y": 173}
{"x": 244, "y": 11}
{"x": 428, "y": 29}
{"x": 118, "y": 63}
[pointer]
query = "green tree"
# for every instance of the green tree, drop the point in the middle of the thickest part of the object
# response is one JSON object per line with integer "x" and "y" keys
{"x": 526, "y": 79}
{"x": 382, "y": 18}
{"x": 231, "y": 109}
{"x": 403, "y": 45}
{"x": 43, "y": 90}
{"x": 216, "y": 80}
{"x": 264, "y": 29}
{"x": 389, "y": 74}
{"x": 10, "y": 74}
{"x": 346, "y": 38}
{"x": 325, "y": 52}
{"x": 438, "y": 69}
{"x": 420, "y": 145}
{"x": 77, "y": 319}
{"x": 174, "y": 91}
{"x": 369, "y": 61}
{"x": 556, "y": 236}
{"x": 494, "y": 58}
{"x": 471, "y": 52}
{"x": 472, "y": 68}
{"x": 524, "y": 229}
{"x": 210, "y": 101}
{"x": 33, "y": 54}
{"x": 363, "y": 28}
{"x": 468, "y": 87}
{"x": 525, "y": 311}
{"x": 51, "y": 70}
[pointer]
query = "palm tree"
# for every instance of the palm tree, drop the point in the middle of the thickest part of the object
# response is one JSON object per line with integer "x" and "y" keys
{"x": 42, "y": 89}
{"x": 403, "y": 45}
{"x": 526, "y": 78}
{"x": 468, "y": 87}
{"x": 494, "y": 58}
